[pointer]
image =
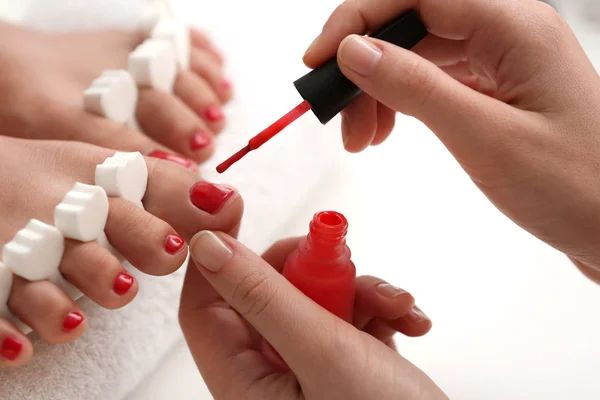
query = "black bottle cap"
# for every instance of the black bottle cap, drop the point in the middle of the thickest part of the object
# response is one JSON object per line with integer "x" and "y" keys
{"x": 328, "y": 91}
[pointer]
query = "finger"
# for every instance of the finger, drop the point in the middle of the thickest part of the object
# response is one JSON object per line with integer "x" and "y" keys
{"x": 15, "y": 348}
{"x": 496, "y": 19}
{"x": 277, "y": 255}
{"x": 465, "y": 120}
{"x": 219, "y": 340}
{"x": 591, "y": 273}
{"x": 441, "y": 51}
{"x": 386, "y": 120}
{"x": 377, "y": 298}
{"x": 298, "y": 328}
{"x": 415, "y": 323}
{"x": 360, "y": 123}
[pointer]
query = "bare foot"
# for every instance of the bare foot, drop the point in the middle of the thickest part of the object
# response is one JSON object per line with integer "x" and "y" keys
{"x": 43, "y": 77}
{"x": 35, "y": 176}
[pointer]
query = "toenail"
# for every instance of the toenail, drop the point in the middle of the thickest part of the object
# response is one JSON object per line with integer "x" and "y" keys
{"x": 10, "y": 349}
{"x": 123, "y": 282}
{"x": 209, "y": 197}
{"x": 226, "y": 84}
{"x": 174, "y": 243}
{"x": 72, "y": 321}
{"x": 214, "y": 114}
{"x": 163, "y": 155}
{"x": 200, "y": 140}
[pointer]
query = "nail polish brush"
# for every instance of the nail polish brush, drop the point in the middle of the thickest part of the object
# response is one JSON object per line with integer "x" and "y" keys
{"x": 326, "y": 91}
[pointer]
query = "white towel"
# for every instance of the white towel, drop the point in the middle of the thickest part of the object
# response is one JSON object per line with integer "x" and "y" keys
{"x": 121, "y": 347}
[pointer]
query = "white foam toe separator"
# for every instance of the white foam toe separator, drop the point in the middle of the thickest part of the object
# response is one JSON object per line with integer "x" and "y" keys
{"x": 35, "y": 252}
{"x": 6, "y": 280}
{"x": 153, "y": 64}
{"x": 124, "y": 175}
{"x": 178, "y": 33}
{"x": 113, "y": 95}
{"x": 83, "y": 212}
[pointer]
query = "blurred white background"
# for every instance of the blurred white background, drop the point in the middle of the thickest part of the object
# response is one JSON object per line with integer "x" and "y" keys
{"x": 512, "y": 318}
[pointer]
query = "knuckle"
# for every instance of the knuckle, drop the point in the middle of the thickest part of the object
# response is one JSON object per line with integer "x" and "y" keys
{"x": 420, "y": 79}
{"x": 253, "y": 294}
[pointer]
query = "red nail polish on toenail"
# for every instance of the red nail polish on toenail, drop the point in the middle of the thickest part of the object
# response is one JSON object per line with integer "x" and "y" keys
{"x": 163, "y": 155}
{"x": 174, "y": 243}
{"x": 200, "y": 140}
{"x": 123, "y": 282}
{"x": 72, "y": 321}
{"x": 214, "y": 114}
{"x": 209, "y": 197}
{"x": 226, "y": 84}
{"x": 10, "y": 349}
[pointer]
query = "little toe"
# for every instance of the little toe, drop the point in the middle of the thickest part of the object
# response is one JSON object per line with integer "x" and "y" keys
{"x": 98, "y": 274}
{"x": 146, "y": 241}
{"x": 15, "y": 348}
{"x": 191, "y": 205}
{"x": 201, "y": 41}
{"x": 170, "y": 122}
{"x": 47, "y": 310}
{"x": 203, "y": 65}
{"x": 198, "y": 95}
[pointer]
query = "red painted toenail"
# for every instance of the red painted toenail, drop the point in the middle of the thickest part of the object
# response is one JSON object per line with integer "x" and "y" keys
{"x": 226, "y": 84}
{"x": 214, "y": 114}
{"x": 72, "y": 321}
{"x": 163, "y": 155}
{"x": 123, "y": 282}
{"x": 10, "y": 349}
{"x": 200, "y": 140}
{"x": 209, "y": 197}
{"x": 174, "y": 243}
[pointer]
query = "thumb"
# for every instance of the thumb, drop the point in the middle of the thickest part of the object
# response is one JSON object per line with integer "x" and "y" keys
{"x": 291, "y": 322}
{"x": 461, "y": 117}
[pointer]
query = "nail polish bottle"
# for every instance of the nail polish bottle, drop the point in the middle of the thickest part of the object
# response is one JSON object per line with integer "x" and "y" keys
{"x": 321, "y": 267}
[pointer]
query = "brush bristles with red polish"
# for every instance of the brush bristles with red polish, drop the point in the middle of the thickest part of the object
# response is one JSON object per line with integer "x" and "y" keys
{"x": 266, "y": 135}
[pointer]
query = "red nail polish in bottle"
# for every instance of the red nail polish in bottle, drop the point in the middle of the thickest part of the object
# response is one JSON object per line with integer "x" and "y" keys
{"x": 321, "y": 269}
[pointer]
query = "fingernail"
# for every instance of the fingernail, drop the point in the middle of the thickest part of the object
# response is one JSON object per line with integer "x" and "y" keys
{"x": 163, "y": 155}
{"x": 214, "y": 114}
{"x": 210, "y": 251}
{"x": 359, "y": 55}
{"x": 10, "y": 349}
{"x": 345, "y": 130}
{"x": 123, "y": 282}
{"x": 226, "y": 84}
{"x": 72, "y": 321}
{"x": 200, "y": 140}
{"x": 416, "y": 316}
{"x": 389, "y": 291}
{"x": 174, "y": 243}
{"x": 312, "y": 45}
{"x": 210, "y": 197}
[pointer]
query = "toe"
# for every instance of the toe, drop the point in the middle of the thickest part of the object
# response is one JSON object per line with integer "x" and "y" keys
{"x": 15, "y": 348}
{"x": 198, "y": 95}
{"x": 170, "y": 122}
{"x": 176, "y": 195}
{"x": 98, "y": 274}
{"x": 201, "y": 41}
{"x": 204, "y": 65}
{"x": 147, "y": 242}
{"x": 47, "y": 310}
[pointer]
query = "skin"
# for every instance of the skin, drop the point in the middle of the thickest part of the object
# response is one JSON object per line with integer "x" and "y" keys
{"x": 507, "y": 89}
{"x": 51, "y": 169}
{"x": 248, "y": 299}
{"x": 43, "y": 76}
